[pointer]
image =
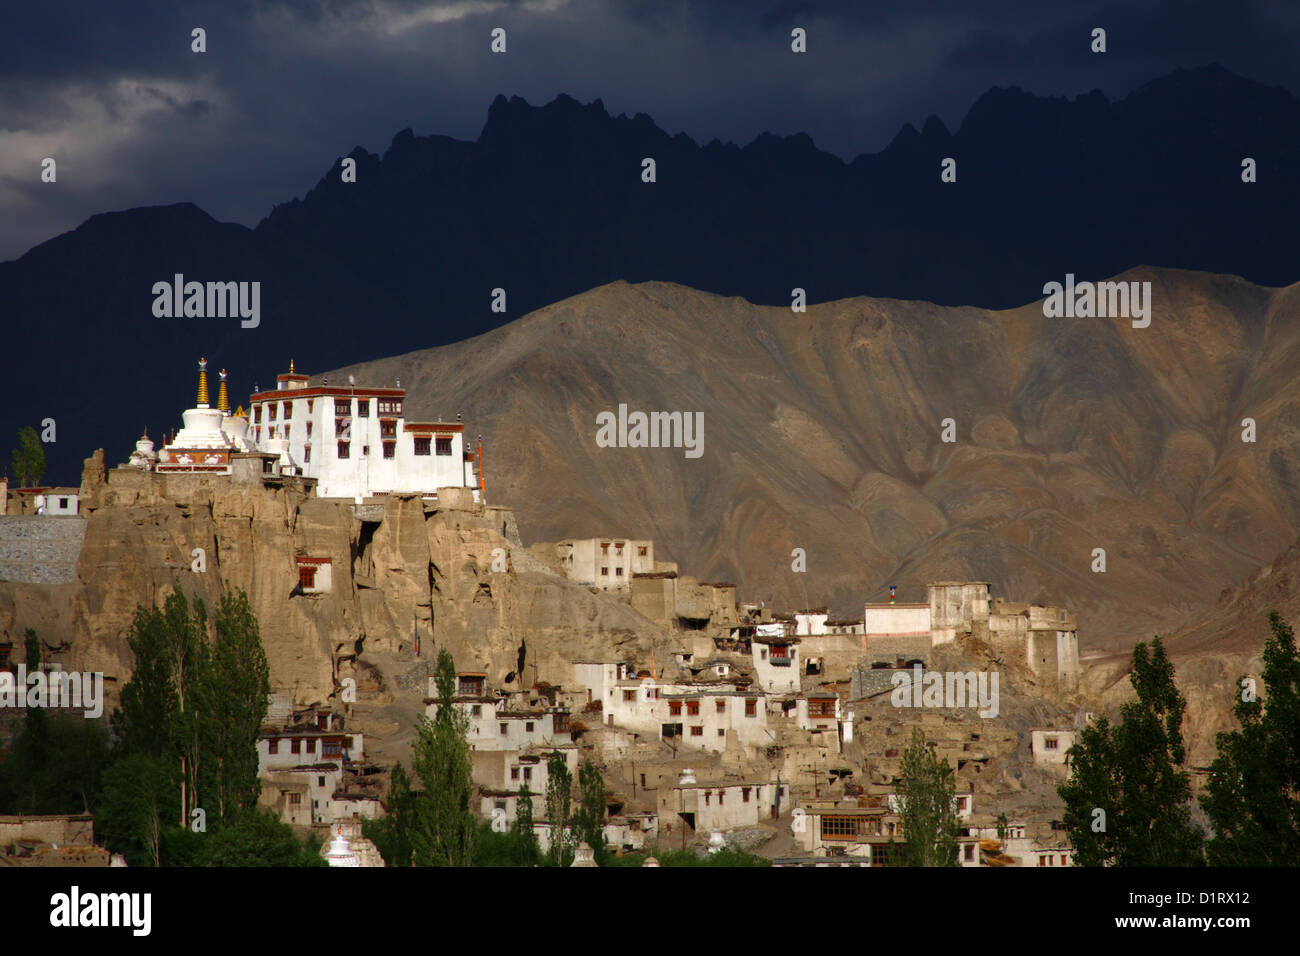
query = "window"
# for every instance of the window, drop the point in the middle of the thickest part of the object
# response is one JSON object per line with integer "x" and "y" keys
{"x": 443, "y": 446}
{"x": 390, "y": 449}
{"x": 721, "y": 794}
{"x": 331, "y": 748}
{"x": 286, "y": 432}
{"x": 708, "y": 794}
{"x": 306, "y": 453}
{"x": 641, "y": 552}
{"x": 839, "y": 827}
{"x": 697, "y": 731}
{"x": 387, "y": 429}
{"x": 342, "y": 407}
{"x": 970, "y": 852}
{"x": 821, "y": 707}
{"x": 476, "y": 711}
{"x": 311, "y": 745}
{"x": 389, "y": 407}
{"x": 692, "y": 708}
{"x": 629, "y": 696}
{"x": 744, "y": 794}
{"x": 343, "y": 449}
{"x": 674, "y": 708}
{"x": 505, "y": 729}
{"x": 604, "y": 572}
{"x": 618, "y": 572}
{"x": 273, "y": 746}
{"x": 604, "y": 548}
{"x": 311, "y": 403}
{"x": 309, "y": 428}
{"x": 751, "y": 708}
{"x": 722, "y": 706}
{"x": 295, "y": 799}
{"x": 1049, "y": 743}
{"x": 528, "y": 727}
{"x": 257, "y": 414}
{"x": 271, "y": 411}
{"x": 288, "y": 410}
{"x": 721, "y": 732}
{"x": 363, "y": 408}
{"x": 514, "y": 773}
{"x": 295, "y": 745}
{"x": 422, "y": 444}
{"x": 528, "y": 773}
{"x": 365, "y": 451}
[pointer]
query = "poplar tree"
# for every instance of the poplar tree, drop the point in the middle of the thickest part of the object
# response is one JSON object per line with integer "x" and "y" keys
{"x": 1128, "y": 799}
{"x": 559, "y": 796}
{"x": 589, "y": 821}
{"x": 443, "y": 826}
{"x": 235, "y": 700}
{"x": 928, "y": 806}
{"x": 1253, "y": 794}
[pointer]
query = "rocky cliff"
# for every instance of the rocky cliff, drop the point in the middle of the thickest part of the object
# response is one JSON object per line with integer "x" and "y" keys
{"x": 400, "y": 567}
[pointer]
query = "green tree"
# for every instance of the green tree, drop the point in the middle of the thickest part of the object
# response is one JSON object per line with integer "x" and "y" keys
{"x": 523, "y": 824}
{"x": 235, "y": 702}
{"x": 1132, "y": 774}
{"x": 589, "y": 820}
{"x": 1253, "y": 795}
{"x": 927, "y": 806}
{"x": 391, "y": 834}
{"x": 559, "y": 797}
{"x": 139, "y": 793}
{"x": 28, "y": 459}
{"x": 444, "y": 825}
{"x": 58, "y": 768}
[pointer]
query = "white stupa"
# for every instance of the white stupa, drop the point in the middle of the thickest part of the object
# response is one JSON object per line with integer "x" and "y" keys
{"x": 202, "y": 445}
{"x": 340, "y": 851}
{"x": 144, "y": 457}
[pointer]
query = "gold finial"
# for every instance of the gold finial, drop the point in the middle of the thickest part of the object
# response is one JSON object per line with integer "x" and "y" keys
{"x": 240, "y": 413}
{"x": 290, "y": 366}
{"x": 223, "y": 399}
{"x": 203, "y": 383}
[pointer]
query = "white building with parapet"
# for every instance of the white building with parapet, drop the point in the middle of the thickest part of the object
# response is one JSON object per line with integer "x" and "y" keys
{"x": 355, "y": 441}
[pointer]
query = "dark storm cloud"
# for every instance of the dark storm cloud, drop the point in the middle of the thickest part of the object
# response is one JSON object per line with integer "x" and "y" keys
{"x": 113, "y": 92}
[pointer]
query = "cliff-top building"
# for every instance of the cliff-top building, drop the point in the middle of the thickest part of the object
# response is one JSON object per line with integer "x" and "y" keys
{"x": 352, "y": 440}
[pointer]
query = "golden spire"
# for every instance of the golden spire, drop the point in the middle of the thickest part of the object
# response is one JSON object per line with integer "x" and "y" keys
{"x": 290, "y": 366}
{"x": 203, "y": 383}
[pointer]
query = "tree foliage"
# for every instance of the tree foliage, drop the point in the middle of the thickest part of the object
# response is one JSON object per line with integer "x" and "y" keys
{"x": 28, "y": 459}
{"x": 927, "y": 806}
{"x": 1253, "y": 794}
{"x": 559, "y": 798}
{"x": 1132, "y": 773}
{"x": 443, "y": 826}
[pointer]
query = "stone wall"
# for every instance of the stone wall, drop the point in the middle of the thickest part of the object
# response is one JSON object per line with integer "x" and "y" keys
{"x": 40, "y": 549}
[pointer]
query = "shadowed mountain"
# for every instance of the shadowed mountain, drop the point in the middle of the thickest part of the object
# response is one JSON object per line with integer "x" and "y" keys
{"x": 549, "y": 202}
{"x": 822, "y": 431}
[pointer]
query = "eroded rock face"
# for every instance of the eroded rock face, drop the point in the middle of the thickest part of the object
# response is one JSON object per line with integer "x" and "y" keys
{"x": 452, "y": 571}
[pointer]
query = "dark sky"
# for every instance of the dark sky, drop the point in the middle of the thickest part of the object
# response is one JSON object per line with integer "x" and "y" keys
{"x": 133, "y": 117}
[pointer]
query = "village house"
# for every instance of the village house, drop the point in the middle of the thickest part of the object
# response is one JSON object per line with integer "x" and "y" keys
{"x": 302, "y": 767}
{"x": 691, "y": 807}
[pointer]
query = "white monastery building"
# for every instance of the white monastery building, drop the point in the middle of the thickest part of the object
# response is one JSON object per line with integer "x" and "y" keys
{"x": 353, "y": 440}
